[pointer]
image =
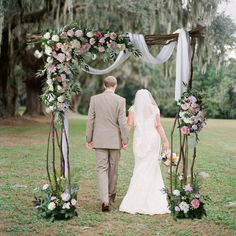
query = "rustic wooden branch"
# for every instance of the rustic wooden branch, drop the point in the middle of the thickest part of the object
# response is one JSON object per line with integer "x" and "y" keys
{"x": 155, "y": 39}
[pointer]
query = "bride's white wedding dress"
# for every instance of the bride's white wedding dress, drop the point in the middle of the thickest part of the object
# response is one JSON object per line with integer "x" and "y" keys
{"x": 145, "y": 194}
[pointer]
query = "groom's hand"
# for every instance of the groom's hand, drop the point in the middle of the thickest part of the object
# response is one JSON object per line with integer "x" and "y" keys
{"x": 89, "y": 145}
{"x": 124, "y": 146}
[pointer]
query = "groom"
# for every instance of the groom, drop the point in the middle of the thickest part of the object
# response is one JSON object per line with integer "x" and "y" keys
{"x": 107, "y": 133}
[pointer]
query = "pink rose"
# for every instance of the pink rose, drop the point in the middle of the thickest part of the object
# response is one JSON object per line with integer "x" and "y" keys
{"x": 185, "y": 106}
{"x": 113, "y": 36}
{"x": 65, "y": 196}
{"x": 188, "y": 188}
{"x": 92, "y": 41}
{"x": 61, "y": 57}
{"x": 185, "y": 130}
{"x": 58, "y": 78}
{"x": 58, "y": 46}
{"x": 86, "y": 46}
{"x": 192, "y": 99}
{"x": 195, "y": 203}
{"x": 194, "y": 127}
{"x": 101, "y": 49}
{"x": 98, "y": 34}
{"x": 63, "y": 34}
{"x": 52, "y": 69}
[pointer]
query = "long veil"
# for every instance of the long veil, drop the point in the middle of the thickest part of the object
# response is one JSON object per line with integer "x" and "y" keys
{"x": 145, "y": 112}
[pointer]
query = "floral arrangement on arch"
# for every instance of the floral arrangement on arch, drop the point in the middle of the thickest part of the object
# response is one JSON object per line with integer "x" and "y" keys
{"x": 69, "y": 50}
{"x": 191, "y": 115}
{"x": 186, "y": 200}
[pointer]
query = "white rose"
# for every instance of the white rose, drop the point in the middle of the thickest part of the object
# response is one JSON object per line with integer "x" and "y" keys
{"x": 48, "y": 110}
{"x": 49, "y": 82}
{"x": 38, "y": 54}
{"x": 51, "y": 206}
{"x": 59, "y": 88}
{"x": 61, "y": 98}
{"x": 176, "y": 192}
{"x": 89, "y": 34}
{"x": 51, "y": 98}
{"x": 51, "y": 88}
{"x": 48, "y": 50}
{"x": 53, "y": 198}
{"x": 52, "y": 108}
{"x": 73, "y": 202}
{"x": 47, "y": 35}
{"x": 55, "y": 38}
{"x": 66, "y": 205}
{"x": 45, "y": 186}
{"x": 49, "y": 60}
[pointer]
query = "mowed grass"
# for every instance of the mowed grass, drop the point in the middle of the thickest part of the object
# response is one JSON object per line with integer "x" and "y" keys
{"x": 22, "y": 169}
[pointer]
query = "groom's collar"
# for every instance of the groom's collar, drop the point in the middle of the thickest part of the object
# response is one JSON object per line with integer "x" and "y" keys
{"x": 109, "y": 91}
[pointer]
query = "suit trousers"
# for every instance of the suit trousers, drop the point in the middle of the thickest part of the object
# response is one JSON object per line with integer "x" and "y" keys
{"x": 107, "y": 173}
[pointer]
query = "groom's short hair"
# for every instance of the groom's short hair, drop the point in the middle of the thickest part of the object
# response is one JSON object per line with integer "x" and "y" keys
{"x": 110, "y": 81}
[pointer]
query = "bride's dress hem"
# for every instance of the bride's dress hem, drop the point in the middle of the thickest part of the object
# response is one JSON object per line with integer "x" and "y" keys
{"x": 144, "y": 212}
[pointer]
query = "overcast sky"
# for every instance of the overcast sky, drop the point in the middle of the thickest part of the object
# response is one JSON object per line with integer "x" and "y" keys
{"x": 229, "y": 9}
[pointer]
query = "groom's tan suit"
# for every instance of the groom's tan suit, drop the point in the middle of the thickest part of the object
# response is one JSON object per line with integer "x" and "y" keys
{"x": 107, "y": 129}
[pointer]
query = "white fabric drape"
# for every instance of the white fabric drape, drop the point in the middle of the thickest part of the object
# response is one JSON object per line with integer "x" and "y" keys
{"x": 183, "y": 61}
{"x": 119, "y": 60}
{"x": 65, "y": 135}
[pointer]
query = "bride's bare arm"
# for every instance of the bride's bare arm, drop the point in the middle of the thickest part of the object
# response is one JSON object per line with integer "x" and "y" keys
{"x": 130, "y": 120}
{"x": 160, "y": 130}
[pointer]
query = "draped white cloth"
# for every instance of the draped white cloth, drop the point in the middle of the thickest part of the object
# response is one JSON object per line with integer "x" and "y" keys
{"x": 183, "y": 61}
{"x": 65, "y": 139}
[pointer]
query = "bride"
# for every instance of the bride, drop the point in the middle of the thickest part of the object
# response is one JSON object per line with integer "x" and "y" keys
{"x": 145, "y": 194}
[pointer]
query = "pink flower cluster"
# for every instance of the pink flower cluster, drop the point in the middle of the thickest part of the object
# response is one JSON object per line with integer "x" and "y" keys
{"x": 70, "y": 47}
{"x": 192, "y": 116}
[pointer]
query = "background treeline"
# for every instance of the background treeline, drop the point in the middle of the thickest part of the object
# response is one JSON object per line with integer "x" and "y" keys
{"x": 214, "y": 72}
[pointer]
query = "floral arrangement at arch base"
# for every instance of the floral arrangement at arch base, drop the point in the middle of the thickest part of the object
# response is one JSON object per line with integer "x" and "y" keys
{"x": 66, "y": 52}
{"x": 185, "y": 198}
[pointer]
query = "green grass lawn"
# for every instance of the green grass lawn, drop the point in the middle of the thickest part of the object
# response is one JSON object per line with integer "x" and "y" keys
{"x": 22, "y": 169}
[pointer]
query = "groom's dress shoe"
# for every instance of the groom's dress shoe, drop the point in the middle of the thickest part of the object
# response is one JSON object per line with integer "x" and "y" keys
{"x": 105, "y": 207}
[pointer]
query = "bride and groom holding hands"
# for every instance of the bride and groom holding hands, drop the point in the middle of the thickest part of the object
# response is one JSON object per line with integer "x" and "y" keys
{"x": 107, "y": 132}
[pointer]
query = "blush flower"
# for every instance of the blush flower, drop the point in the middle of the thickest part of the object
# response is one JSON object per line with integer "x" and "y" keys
{"x": 195, "y": 203}
{"x": 65, "y": 196}
{"x": 101, "y": 49}
{"x": 185, "y": 130}
{"x": 52, "y": 69}
{"x": 113, "y": 36}
{"x": 188, "y": 188}
{"x": 185, "y": 106}
{"x": 92, "y": 41}
{"x": 61, "y": 57}
{"x": 79, "y": 33}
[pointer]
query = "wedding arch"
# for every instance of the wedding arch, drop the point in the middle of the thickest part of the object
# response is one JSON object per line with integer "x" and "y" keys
{"x": 70, "y": 49}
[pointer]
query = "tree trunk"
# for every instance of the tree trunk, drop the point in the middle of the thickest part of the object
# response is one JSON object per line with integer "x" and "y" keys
{"x": 34, "y": 85}
{"x": 8, "y": 83}
{"x": 75, "y": 103}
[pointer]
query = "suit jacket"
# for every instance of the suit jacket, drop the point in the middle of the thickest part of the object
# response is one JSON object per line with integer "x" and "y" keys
{"x": 107, "y": 125}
